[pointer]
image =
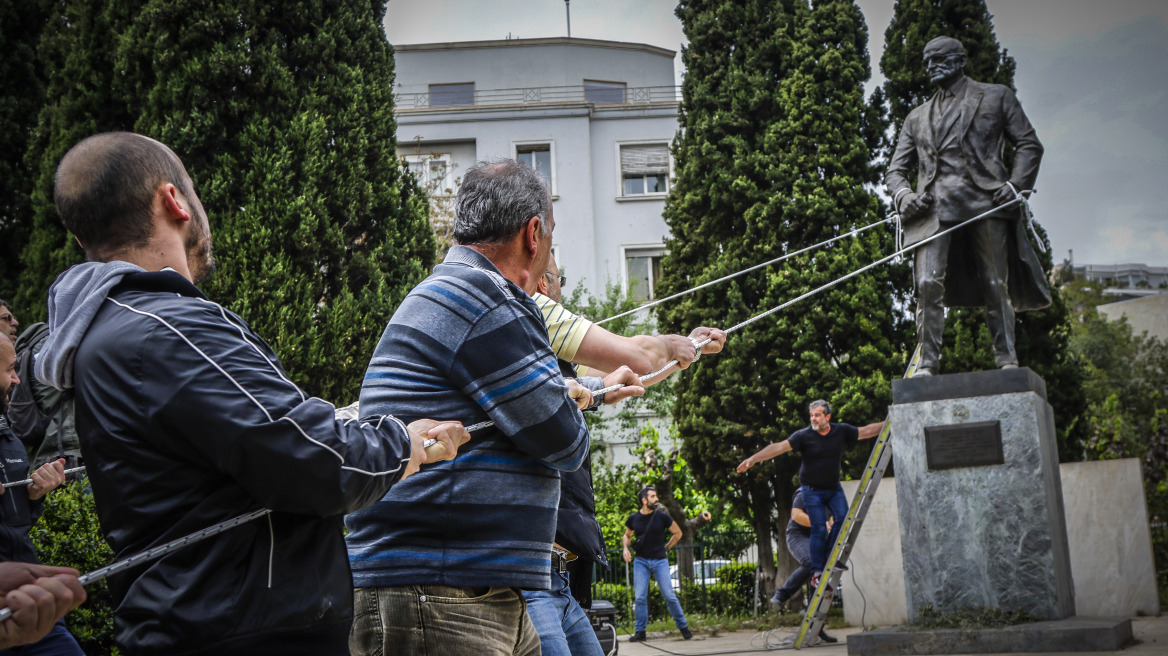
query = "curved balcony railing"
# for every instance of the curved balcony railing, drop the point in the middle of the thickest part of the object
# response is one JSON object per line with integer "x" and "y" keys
{"x": 537, "y": 95}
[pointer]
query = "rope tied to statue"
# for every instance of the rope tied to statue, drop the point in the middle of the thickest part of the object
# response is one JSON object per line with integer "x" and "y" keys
{"x": 174, "y": 545}
{"x": 691, "y": 290}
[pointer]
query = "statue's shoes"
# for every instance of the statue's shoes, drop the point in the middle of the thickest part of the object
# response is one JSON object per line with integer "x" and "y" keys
{"x": 1008, "y": 366}
{"x": 922, "y": 373}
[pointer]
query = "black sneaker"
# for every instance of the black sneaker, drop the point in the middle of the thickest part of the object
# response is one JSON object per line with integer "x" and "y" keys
{"x": 779, "y": 599}
{"x": 826, "y": 638}
{"x": 686, "y": 633}
{"x": 639, "y": 636}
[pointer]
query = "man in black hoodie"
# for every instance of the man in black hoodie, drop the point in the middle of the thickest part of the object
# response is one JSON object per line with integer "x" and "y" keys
{"x": 186, "y": 419}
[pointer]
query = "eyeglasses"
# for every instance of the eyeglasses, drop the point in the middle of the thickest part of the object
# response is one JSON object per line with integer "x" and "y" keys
{"x": 938, "y": 58}
{"x": 9, "y": 317}
{"x": 552, "y": 277}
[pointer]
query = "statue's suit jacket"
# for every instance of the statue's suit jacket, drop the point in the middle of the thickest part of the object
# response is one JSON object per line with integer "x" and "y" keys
{"x": 989, "y": 114}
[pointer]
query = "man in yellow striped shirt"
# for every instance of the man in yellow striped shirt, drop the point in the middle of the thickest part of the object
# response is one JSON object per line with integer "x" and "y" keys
{"x": 557, "y": 613}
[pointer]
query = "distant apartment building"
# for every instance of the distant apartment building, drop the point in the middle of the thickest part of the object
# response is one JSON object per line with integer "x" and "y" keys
{"x": 1140, "y": 294}
{"x": 596, "y": 118}
{"x": 1126, "y": 277}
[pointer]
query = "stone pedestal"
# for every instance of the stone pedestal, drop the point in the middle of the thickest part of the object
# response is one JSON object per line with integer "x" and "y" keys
{"x": 979, "y": 496}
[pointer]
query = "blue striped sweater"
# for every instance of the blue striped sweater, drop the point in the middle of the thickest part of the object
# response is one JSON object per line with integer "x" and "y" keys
{"x": 467, "y": 344}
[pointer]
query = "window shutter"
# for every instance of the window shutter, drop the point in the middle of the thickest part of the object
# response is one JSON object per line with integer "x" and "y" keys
{"x": 647, "y": 159}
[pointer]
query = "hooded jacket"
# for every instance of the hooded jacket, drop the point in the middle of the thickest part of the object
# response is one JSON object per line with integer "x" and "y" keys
{"x": 187, "y": 419}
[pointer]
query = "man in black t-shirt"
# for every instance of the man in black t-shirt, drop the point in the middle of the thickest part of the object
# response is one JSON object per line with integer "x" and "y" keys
{"x": 648, "y": 525}
{"x": 822, "y": 447}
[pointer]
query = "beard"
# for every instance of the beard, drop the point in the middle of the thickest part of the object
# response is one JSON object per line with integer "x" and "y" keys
{"x": 3, "y": 401}
{"x": 200, "y": 258}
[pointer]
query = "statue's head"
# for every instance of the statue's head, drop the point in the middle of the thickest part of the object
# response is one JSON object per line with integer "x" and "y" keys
{"x": 944, "y": 59}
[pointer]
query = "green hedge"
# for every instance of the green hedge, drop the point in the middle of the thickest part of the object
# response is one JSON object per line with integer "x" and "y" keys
{"x": 68, "y": 534}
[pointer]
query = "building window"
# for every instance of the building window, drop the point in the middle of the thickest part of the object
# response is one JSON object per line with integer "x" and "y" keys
{"x": 434, "y": 172}
{"x": 644, "y": 169}
{"x": 604, "y": 93}
{"x": 642, "y": 271}
{"x": 538, "y": 156}
{"x": 452, "y": 95}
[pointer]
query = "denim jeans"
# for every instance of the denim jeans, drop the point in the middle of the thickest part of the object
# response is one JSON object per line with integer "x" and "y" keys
{"x": 563, "y": 627}
{"x": 819, "y": 504}
{"x": 57, "y": 643}
{"x": 800, "y": 548}
{"x": 441, "y": 620}
{"x": 658, "y": 568}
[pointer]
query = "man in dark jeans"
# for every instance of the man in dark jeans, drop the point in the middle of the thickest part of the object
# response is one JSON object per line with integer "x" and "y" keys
{"x": 799, "y": 544}
{"x": 822, "y": 447}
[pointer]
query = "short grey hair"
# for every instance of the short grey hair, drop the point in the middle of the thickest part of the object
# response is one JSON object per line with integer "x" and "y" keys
{"x": 820, "y": 403}
{"x": 496, "y": 199}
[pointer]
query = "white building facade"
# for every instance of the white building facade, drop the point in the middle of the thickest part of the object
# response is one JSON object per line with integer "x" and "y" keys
{"x": 595, "y": 117}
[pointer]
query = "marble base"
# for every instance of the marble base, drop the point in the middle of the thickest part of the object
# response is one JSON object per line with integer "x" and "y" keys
{"x": 991, "y": 536}
{"x": 1068, "y": 635}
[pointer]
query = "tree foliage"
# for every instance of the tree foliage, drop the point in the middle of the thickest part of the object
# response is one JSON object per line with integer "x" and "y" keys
{"x": 616, "y": 494}
{"x": 774, "y": 154}
{"x": 68, "y": 535}
{"x": 21, "y": 98}
{"x": 1043, "y": 336}
{"x": 76, "y": 52}
{"x": 283, "y": 115}
{"x": 1126, "y": 391}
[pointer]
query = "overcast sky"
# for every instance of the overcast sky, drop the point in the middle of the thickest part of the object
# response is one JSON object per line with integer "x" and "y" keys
{"x": 1092, "y": 76}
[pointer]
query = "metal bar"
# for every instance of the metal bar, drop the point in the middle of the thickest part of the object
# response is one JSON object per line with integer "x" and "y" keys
{"x": 159, "y": 551}
{"x": 28, "y": 481}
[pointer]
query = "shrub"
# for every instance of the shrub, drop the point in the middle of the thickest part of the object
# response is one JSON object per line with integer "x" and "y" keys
{"x": 68, "y": 534}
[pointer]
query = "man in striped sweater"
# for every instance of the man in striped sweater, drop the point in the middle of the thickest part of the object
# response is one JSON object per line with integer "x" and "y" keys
{"x": 440, "y": 562}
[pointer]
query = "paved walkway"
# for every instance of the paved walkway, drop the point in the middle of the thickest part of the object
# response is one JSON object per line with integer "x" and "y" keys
{"x": 1151, "y": 634}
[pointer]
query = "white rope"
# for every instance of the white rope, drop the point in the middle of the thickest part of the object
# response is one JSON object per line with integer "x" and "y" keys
{"x": 744, "y": 271}
{"x": 698, "y": 345}
{"x": 160, "y": 551}
{"x": 826, "y": 287}
{"x": 1027, "y": 214}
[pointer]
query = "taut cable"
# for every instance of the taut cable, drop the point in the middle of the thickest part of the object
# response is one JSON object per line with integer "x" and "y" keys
{"x": 158, "y": 552}
{"x": 744, "y": 271}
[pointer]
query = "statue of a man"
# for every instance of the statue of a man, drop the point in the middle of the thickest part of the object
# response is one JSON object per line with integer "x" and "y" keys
{"x": 954, "y": 143}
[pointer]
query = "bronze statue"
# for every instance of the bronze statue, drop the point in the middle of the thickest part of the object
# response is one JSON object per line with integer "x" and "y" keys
{"x": 954, "y": 144}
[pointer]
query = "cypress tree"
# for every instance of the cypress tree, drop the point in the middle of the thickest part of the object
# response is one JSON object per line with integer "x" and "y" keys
{"x": 773, "y": 155}
{"x": 21, "y": 97}
{"x": 1042, "y": 337}
{"x": 76, "y": 52}
{"x": 283, "y": 114}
